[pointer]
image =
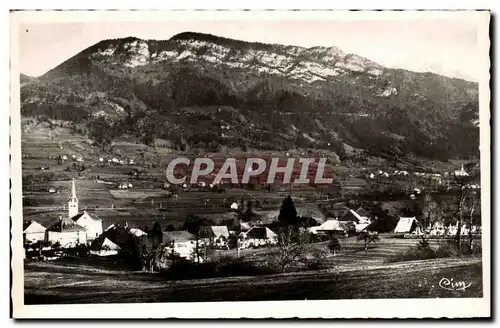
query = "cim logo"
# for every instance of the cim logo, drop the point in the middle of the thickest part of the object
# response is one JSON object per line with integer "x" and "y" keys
{"x": 249, "y": 170}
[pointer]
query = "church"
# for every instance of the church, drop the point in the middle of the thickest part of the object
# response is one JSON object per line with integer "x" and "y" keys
{"x": 77, "y": 228}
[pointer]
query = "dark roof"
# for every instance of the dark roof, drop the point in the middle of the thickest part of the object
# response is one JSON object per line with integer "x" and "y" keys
{"x": 177, "y": 236}
{"x": 76, "y": 217}
{"x": 92, "y": 216}
{"x": 66, "y": 225}
{"x": 383, "y": 225}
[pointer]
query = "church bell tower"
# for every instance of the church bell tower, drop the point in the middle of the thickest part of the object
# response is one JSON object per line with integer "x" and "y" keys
{"x": 73, "y": 201}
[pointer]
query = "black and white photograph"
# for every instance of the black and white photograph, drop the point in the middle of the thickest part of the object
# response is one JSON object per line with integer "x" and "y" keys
{"x": 180, "y": 159}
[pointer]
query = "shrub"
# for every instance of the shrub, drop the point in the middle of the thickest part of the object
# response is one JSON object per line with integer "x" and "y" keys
{"x": 315, "y": 259}
{"x": 334, "y": 245}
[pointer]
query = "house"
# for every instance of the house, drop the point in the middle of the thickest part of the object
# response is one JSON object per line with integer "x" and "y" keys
{"x": 104, "y": 247}
{"x": 406, "y": 225}
{"x": 214, "y": 235}
{"x": 330, "y": 226}
{"x": 67, "y": 233}
{"x": 461, "y": 172}
{"x": 382, "y": 225}
{"x": 91, "y": 222}
{"x": 123, "y": 185}
{"x": 181, "y": 243}
{"x": 258, "y": 236}
{"x": 33, "y": 231}
{"x": 137, "y": 232}
{"x": 353, "y": 216}
{"x": 234, "y": 206}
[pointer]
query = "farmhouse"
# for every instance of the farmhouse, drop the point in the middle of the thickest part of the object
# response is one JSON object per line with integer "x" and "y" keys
{"x": 406, "y": 225}
{"x": 181, "y": 243}
{"x": 258, "y": 236}
{"x": 214, "y": 235}
{"x": 67, "y": 233}
{"x": 33, "y": 232}
{"x": 328, "y": 227}
{"x": 104, "y": 247}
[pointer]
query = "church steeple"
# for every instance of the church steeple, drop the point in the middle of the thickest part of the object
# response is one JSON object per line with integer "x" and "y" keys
{"x": 73, "y": 201}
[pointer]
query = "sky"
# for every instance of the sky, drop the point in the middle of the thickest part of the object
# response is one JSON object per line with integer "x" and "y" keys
{"x": 447, "y": 46}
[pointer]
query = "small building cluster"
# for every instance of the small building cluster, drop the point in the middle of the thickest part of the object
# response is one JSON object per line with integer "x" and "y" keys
{"x": 77, "y": 228}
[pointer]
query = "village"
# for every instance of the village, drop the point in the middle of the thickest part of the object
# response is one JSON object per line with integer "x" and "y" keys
{"x": 198, "y": 242}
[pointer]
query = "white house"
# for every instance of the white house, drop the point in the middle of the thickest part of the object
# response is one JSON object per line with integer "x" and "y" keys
{"x": 91, "y": 222}
{"x": 234, "y": 206}
{"x": 214, "y": 235}
{"x": 181, "y": 243}
{"x": 258, "y": 236}
{"x": 33, "y": 231}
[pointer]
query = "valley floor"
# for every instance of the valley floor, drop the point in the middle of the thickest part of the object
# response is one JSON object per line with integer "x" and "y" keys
{"x": 53, "y": 283}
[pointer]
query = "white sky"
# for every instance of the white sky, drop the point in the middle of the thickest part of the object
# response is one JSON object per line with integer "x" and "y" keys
{"x": 445, "y": 45}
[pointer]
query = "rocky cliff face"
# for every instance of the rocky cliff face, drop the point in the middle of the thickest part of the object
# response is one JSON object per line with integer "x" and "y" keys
{"x": 262, "y": 90}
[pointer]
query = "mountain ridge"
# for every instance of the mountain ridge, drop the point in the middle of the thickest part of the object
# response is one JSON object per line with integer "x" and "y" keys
{"x": 358, "y": 102}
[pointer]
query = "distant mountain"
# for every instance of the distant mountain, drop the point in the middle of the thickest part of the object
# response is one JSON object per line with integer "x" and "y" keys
{"x": 200, "y": 90}
{"x": 25, "y": 79}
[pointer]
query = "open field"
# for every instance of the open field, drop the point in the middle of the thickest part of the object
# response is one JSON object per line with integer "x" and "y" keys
{"x": 51, "y": 283}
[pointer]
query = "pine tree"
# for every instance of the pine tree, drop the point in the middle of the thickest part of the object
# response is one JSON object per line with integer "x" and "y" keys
{"x": 288, "y": 213}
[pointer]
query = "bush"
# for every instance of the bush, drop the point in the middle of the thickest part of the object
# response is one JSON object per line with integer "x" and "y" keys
{"x": 315, "y": 259}
{"x": 334, "y": 245}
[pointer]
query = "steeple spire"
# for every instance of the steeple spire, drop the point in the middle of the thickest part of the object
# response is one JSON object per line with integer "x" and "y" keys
{"x": 73, "y": 201}
{"x": 73, "y": 189}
